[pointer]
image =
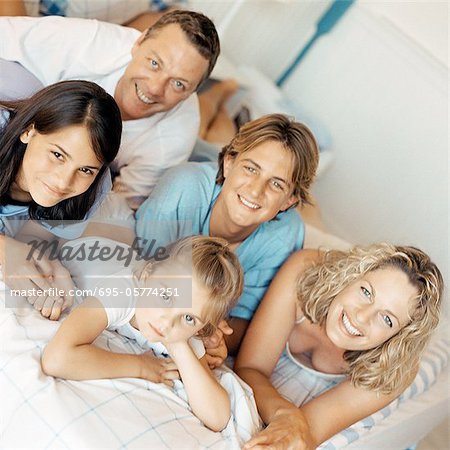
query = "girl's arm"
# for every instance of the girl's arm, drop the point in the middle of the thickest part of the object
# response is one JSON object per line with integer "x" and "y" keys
{"x": 208, "y": 399}
{"x": 288, "y": 426}
{"x": 71, "y": 355}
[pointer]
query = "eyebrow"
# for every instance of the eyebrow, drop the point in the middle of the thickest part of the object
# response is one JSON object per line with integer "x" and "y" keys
{"x": 259, "y": 167}
{"x": 161, "y": 62}
{"x": 70, "y": 157}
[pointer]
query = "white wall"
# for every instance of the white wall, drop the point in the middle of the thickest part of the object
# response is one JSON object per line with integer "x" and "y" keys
{"x": 266, "y": 34}
{"x": 384, "y": 98}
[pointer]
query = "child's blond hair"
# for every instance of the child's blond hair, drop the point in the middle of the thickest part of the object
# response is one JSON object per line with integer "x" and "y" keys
{"x": 216, "y": 268}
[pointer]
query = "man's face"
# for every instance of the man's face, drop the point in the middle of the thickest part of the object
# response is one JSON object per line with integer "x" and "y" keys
{"x": 165, "y": 69}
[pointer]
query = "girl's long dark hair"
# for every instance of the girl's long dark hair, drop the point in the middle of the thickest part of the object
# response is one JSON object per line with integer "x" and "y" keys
{"x": 57, "y": 106}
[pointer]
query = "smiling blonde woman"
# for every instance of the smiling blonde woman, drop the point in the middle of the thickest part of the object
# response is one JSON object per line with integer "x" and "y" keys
{"x": 359, "y": 319}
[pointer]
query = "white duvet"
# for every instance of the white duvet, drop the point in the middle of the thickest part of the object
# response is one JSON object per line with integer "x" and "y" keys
{"x": 38, "y": 411}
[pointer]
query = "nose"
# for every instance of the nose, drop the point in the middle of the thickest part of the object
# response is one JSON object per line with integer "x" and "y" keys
{"x": 165, "y": 323}
{"x": 257, "y": 187}
{"x": 64, "y": 180}
{"x": 156, "y": 86}
{"x": 365, "y": 314}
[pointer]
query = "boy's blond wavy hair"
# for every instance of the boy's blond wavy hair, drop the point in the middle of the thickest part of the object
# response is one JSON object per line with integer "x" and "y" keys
{"x": 391, "y": 366}
{"x": 295, "y": 137}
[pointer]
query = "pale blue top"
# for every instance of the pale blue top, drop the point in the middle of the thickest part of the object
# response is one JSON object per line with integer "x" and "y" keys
{"x": 181, "y": 205}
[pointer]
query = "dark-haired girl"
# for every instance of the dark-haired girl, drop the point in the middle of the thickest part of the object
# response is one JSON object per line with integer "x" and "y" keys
{"x": 55, "y": 148}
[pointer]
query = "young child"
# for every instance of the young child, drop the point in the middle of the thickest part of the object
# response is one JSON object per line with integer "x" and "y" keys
{"x": 166, "y": 323}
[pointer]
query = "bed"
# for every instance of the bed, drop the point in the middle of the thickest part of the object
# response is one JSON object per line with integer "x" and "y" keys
{"x": 42, "y": 412}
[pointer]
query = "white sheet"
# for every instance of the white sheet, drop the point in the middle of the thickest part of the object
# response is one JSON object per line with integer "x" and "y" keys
{"x": 38, "y": 411}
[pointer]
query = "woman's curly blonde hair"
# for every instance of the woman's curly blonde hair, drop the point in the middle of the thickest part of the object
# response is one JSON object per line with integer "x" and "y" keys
{"x": 391, "y": 366}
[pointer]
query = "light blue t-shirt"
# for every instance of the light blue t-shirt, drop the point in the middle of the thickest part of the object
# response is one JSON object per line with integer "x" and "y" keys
{"x": 181, "y": 204}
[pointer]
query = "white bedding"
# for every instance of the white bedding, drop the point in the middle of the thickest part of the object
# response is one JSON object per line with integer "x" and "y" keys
{"x": 39, "y": 412}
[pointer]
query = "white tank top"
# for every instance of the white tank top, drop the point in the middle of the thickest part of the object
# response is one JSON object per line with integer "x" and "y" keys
{"x": 309, "y": 368}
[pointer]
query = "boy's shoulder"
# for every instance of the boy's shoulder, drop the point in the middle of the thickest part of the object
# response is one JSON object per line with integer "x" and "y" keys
{"x": 185, "y": 185}
{"x": 192, "y": 174}
{"x": 286, "y": 224}
{"x": 279, "y": 236}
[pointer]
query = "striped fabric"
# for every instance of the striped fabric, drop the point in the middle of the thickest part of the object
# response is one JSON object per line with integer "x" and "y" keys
{"x": 299, "y": 386}
{"x": 115, "y": 11}
{"x": 132, "y": 413}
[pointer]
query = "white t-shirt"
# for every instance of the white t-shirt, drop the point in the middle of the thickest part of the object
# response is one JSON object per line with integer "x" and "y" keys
{"x": 112, "y": 281}
{"x": 57, "y": 48}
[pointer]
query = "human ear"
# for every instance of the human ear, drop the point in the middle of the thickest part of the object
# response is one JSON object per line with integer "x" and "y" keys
{"x": 291, "y": 201}
{"x": 26, "y": 136}
{"x": 228, "y": 162}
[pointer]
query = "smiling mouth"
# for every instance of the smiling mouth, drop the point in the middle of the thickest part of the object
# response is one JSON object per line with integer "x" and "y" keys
{"x": 349, "y": 327}
{"x": 142, "y": 97}
{"x": 248, "y": 203}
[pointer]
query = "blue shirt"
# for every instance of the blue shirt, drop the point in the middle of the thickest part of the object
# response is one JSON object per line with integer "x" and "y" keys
{"x": 181, "y": 205}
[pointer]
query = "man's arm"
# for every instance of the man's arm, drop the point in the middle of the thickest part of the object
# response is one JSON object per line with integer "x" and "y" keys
{"x": 60, "y": 48}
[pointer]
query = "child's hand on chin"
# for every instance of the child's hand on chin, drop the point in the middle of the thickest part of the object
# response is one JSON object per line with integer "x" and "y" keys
{"x": 158, "y": 370}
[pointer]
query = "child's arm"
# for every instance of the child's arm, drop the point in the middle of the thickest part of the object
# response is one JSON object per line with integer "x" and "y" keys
{"x": 208, "y": 399}
{"x": 70, "y": 354}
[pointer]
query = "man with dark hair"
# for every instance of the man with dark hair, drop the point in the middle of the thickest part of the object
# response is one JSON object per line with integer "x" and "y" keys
{"x": 152, "y": 76}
